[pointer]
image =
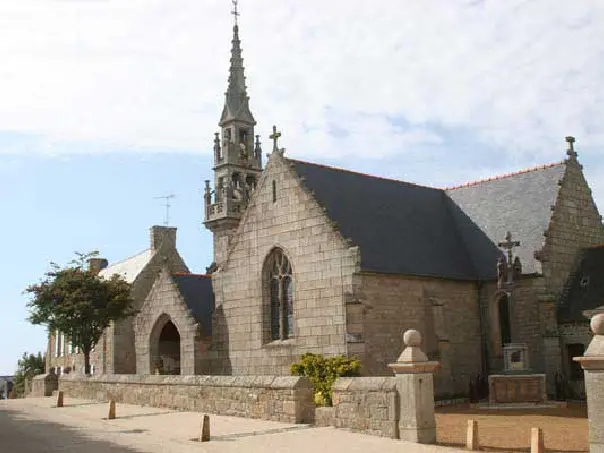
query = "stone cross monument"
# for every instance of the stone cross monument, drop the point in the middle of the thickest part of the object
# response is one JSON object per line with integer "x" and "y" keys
{"x": 508, "y": 271}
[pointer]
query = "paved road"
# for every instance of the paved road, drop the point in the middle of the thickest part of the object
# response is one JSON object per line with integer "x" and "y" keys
{"x": 35, "y": 426}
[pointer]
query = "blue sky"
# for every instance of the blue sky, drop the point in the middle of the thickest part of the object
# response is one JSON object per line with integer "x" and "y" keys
{"x": 106, "y": 105}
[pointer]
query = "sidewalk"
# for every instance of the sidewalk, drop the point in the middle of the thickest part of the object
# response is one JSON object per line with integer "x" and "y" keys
{"x": 151, "y": 430}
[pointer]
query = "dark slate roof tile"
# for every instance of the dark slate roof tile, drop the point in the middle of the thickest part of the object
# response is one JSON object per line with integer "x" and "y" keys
{"x": 404, "y": 228}
{"x": 197, "y": 292}
{"x": 400, "y": 227}
{"x": 519, "y": 203}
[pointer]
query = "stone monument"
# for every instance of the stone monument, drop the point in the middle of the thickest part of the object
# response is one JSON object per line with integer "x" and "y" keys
{"x": 593, "y": 364}
{"x": 415, "y": 385}
{"x": 517, "y": 384}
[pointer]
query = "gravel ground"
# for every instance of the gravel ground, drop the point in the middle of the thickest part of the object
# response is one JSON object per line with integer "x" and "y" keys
{"x": 564, "y": 429}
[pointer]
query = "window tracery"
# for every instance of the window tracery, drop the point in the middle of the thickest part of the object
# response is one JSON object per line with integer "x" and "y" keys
{"x": 280, "y": 293}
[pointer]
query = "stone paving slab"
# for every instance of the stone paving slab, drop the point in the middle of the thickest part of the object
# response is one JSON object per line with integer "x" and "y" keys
{"x": 153, "y": 430}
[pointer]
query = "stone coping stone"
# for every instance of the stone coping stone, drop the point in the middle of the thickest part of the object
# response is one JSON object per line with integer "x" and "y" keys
{"x": 41, "y": 377}
{"x": 516, "y": 374}
{"x": 272, "y": 382}
{"x": 365, "y": 384}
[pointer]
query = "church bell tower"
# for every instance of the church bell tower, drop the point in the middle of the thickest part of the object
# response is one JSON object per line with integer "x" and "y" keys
{"x": 237, "y": 157}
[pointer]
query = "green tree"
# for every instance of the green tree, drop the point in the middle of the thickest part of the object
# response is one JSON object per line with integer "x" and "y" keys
{"x": 75, "y": 301}
{"x": 28, "y": 366}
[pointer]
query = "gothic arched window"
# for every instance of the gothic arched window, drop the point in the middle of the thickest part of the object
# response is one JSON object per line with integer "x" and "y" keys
{"x": 278, "y": 274}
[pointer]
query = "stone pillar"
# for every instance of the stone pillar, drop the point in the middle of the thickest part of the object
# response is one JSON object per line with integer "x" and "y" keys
{"x": 415, "y": 385}
{"x": 550, "y": 336}
{"x": 593, "y": 364}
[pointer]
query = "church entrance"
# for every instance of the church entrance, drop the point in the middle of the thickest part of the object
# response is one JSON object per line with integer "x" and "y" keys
{"x": 165, "y": 347}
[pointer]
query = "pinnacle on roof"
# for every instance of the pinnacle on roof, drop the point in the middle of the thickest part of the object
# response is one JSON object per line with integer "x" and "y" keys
{"x": 572, "y": 154}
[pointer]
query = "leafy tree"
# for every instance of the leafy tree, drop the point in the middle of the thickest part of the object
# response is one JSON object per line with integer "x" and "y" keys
{"x": 28, "y": 366}
{"x": 78, "y": 303}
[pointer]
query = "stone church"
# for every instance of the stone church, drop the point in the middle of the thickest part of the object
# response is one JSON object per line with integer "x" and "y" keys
{"x": 312, "y": 258}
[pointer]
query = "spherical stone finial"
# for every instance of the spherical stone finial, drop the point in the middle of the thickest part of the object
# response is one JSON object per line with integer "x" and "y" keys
{"x": 412, "y": 338}
{"x": 597, "y": 324}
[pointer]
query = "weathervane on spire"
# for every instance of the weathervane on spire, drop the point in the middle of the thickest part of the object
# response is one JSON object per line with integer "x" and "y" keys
{"x": 235, "y": 12}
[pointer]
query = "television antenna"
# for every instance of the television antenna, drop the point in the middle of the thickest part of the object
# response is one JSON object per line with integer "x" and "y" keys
{"x": 167, "y": 205}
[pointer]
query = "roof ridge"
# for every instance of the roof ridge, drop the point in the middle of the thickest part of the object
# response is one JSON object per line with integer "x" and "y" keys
{"x": 505, "y": 175}
{"x": 126, "y": 259}
{"x": 366, "y": 175}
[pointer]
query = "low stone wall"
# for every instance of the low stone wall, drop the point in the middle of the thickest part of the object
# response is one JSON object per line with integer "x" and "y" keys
{"x": 366, "y": 404}
{"x": 286, "y": 399}
{"x": 324, "y": 416}
{"x": 43, "y": 385}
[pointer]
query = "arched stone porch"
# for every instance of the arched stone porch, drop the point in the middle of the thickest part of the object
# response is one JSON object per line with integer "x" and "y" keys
{"x": 164, "y": 347}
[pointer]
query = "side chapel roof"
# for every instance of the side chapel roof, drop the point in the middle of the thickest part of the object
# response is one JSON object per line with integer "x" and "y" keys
{"x": 196, "y": 290}
{"x": 129, "y": 268}
{"x": 585, "y": 288}
{"x": 519, "y": 203}
{"x": 404, "y": 228}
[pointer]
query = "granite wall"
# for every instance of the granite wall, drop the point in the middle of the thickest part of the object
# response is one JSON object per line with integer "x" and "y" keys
{"x": 43, "y": 385}
{"x": 364, "y": 404}
{"x": 279, "y": 398}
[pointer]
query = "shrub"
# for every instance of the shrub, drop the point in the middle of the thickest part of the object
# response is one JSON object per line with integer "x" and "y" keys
{"x": 323, "y": 372}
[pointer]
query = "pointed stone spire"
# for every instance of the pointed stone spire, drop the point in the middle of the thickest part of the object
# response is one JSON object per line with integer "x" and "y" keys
{"x": 236, "y": 104}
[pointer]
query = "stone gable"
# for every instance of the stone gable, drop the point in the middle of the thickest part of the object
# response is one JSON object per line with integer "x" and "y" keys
{"x": 164, "y": 302}
{"x": 322, "y": 264}
{"x": 575, "y": 224}
{"x": 115, "y": 352}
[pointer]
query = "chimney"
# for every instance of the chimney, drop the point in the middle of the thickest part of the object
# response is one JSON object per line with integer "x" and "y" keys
{"x": 162, "y": 233}
{"x": 96, "y": 265}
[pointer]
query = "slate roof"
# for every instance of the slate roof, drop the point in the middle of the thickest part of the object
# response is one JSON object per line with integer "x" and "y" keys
{"x": 129, "y": 268}
{"x": 404, "y": 228}
{"x": 196, "y": 290}
{"x": 585, "y": 288}
{"x": 519, "y": 203}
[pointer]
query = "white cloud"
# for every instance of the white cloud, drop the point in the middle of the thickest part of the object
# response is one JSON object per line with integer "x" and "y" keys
{"x": 151, "y": 73}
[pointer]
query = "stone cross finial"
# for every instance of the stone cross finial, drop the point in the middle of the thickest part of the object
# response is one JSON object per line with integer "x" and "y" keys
{"x": 275, "y": 138}
{"x": 235, "y": 12}
{"x": 572, "y": 155}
